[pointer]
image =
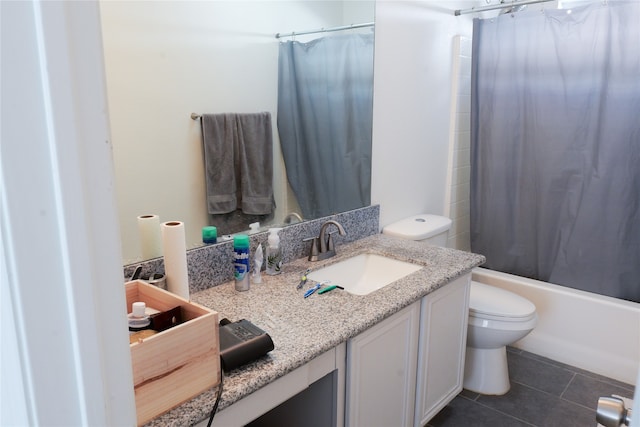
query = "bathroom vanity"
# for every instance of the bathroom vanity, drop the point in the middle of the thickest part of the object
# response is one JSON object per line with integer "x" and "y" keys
{"x": 406, "y": 368}
{"x": 394, "y": 355}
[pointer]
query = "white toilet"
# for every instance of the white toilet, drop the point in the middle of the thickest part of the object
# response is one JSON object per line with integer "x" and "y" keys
{"x": 497, "y": 317}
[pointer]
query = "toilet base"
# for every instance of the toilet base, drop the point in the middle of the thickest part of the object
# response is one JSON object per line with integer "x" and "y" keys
{"x": 486, "y": 371}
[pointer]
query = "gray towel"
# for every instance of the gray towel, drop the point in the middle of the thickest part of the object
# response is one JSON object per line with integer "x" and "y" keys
{"x": 238, "y": 158}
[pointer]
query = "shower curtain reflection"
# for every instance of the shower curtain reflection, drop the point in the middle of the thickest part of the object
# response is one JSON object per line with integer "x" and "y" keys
{"x": 556, "y": 146}
{"x": 325, "y": 107}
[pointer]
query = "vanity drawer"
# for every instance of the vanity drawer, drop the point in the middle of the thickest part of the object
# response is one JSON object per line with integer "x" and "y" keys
{"x": 177, "y": 364}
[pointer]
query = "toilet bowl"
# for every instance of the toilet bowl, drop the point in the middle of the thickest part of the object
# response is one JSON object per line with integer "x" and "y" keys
{"x": 497, "y": 317}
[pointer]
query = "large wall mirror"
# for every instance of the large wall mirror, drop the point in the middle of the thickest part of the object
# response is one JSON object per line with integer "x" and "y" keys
{"x": 167, "y": 59}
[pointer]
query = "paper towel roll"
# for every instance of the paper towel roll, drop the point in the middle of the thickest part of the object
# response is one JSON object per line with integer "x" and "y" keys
{"x": 150, "y": 240}
{"x": 175, "y": 258}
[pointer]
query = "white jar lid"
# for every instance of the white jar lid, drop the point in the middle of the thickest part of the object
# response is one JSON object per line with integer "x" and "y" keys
{"x": 138, "y": 309}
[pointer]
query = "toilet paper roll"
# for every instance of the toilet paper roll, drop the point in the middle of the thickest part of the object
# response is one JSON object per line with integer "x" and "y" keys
{"x": 175, "y": 258}
{"x": 150, "y": 240}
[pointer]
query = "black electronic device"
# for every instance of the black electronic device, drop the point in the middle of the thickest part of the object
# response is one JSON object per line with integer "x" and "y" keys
{"x": 242, "y": 342}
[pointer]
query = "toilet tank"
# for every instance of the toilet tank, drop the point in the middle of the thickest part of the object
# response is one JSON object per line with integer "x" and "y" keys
{"x": 430, "y": 229}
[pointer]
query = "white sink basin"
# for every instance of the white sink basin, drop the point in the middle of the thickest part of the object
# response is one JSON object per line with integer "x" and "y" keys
{"x": 365, "y": 273}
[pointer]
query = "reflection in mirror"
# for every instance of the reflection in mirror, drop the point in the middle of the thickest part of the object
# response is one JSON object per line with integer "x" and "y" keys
{"x": 325, "y": 93}
{"x": 166, "y": 60}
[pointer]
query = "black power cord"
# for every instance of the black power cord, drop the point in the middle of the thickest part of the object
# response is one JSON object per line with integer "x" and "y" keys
{"x": 215, "y": 405}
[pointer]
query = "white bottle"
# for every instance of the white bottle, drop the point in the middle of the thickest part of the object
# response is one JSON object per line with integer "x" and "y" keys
{"x": 138, "y": 318}
{"x": 273, "y": 252}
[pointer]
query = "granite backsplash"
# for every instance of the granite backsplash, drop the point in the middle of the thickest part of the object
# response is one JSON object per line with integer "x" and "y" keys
{"x": 212, "y": 265}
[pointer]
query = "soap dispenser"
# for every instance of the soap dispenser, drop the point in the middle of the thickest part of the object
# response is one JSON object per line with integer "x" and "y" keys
{"x": 274, "y": 252}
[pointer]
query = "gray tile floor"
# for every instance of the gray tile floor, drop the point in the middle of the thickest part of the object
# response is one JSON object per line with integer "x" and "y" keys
{"x": 544, "y": 393}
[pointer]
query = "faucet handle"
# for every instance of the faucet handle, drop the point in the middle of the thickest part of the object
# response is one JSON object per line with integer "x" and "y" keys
{"x": 313, "y": 251}
{"x": 330, "y": 244}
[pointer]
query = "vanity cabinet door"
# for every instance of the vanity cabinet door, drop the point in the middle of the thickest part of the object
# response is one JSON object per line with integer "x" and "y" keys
{"x": 381, "y": 372}
{"x": 443, "y": 338}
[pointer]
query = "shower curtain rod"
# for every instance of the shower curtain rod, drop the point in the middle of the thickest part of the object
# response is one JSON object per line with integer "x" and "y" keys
{"x": 326, "y": 30}
{"x": 504, "y": 5}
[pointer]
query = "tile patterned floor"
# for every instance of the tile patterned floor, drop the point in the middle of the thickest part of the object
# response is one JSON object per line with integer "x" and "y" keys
{"x": 544, "y": 393}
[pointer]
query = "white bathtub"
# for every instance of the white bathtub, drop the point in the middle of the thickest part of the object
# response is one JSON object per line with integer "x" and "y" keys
{"x": 593, "y": 332}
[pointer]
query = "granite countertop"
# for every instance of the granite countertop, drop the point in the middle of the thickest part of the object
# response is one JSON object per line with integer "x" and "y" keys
{"x": 302, "y": 329}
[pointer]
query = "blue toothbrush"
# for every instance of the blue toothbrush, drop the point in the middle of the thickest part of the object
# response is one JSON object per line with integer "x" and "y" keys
{"x": 312, "y": 290}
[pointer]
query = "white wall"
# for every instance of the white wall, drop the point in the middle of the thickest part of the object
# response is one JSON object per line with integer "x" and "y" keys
{"x": 65, "y": 354}
{"x": 412, "y": 101}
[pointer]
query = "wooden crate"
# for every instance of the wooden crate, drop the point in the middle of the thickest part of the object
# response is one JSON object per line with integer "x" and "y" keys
{"x": 175, "y": 365}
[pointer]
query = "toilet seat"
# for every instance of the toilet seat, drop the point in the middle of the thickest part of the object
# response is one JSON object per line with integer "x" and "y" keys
{"x": 491, "y": 303}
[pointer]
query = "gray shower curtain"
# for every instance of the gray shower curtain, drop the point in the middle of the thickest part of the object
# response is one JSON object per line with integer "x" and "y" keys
{"x": 555, "y": 192}
{"x": 325, "y": 107}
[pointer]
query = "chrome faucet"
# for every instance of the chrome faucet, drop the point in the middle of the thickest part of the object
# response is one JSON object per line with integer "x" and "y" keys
{"x": 292, "y": 217}
{"x": 321, "y": 247}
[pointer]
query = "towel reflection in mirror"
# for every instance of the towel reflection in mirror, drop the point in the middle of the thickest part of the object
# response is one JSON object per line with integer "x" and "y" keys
{"x": 238, "y": 154}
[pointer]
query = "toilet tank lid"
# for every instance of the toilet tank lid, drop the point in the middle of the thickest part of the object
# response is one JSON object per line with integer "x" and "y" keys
{"x": 418, "y": 227}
